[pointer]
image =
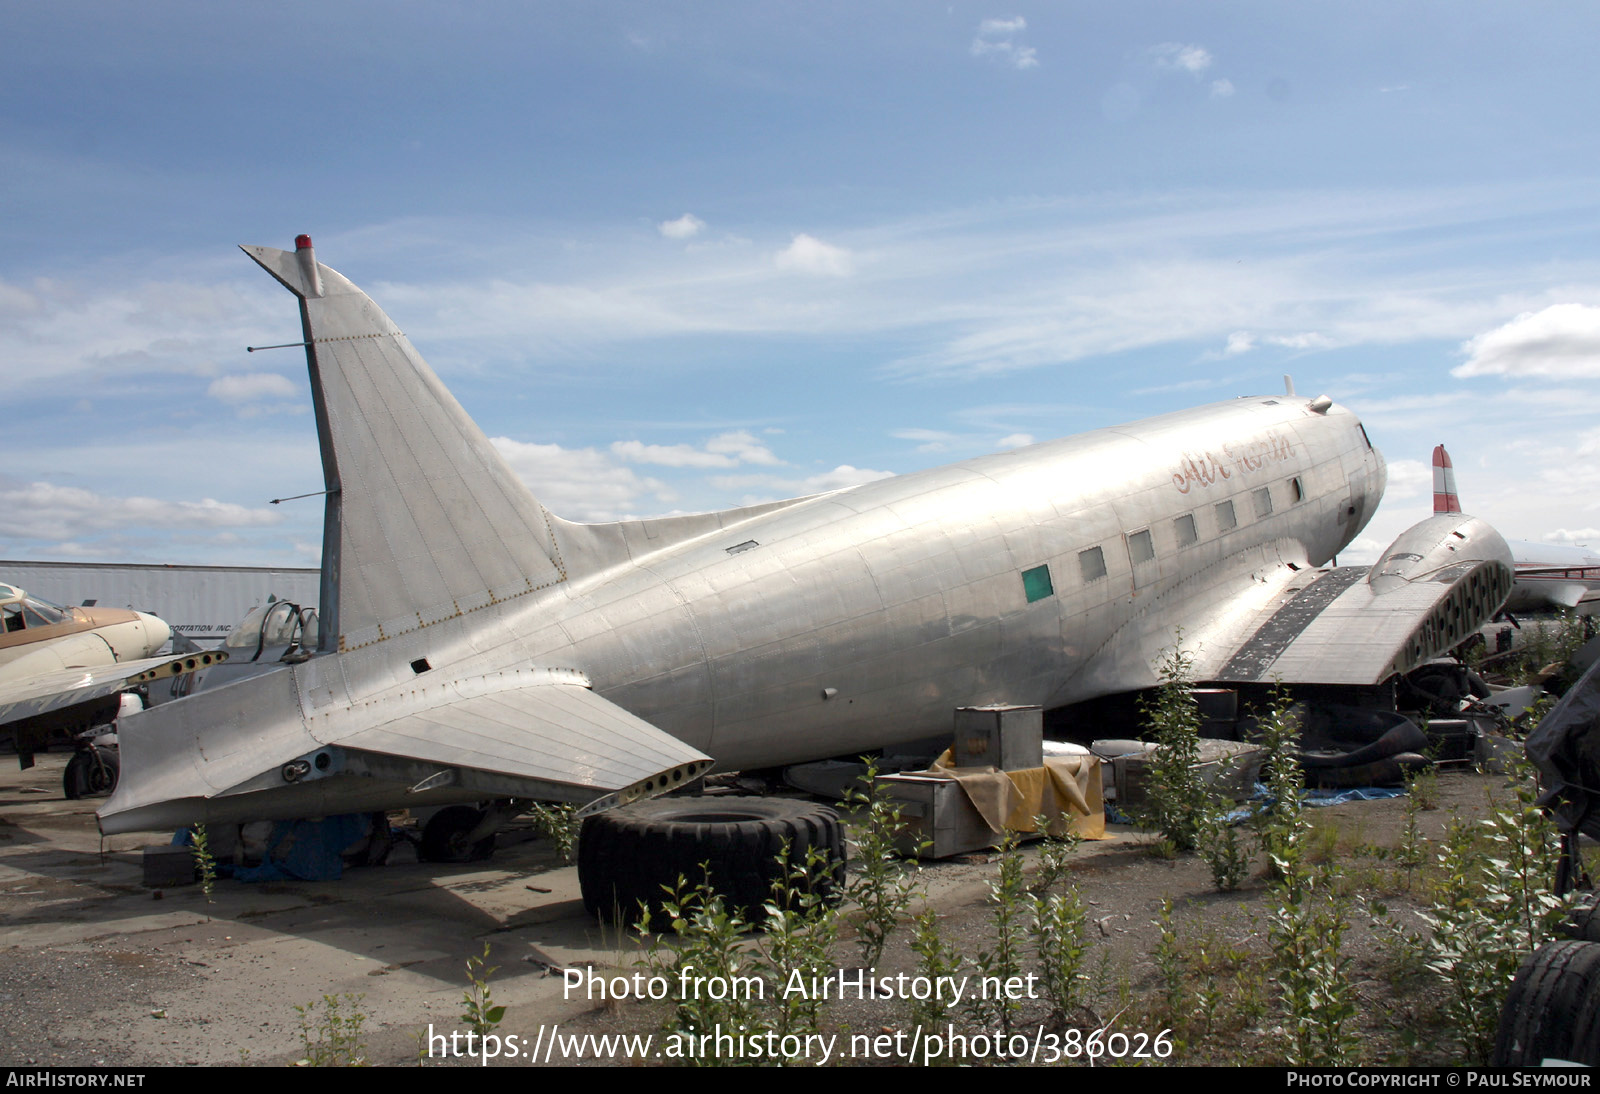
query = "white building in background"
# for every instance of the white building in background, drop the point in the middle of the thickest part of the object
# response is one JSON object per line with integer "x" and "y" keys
{"x": 201, "y": 603}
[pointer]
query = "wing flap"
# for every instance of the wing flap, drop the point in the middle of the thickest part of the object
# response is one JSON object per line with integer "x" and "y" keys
{"x": 1338, "y": 629}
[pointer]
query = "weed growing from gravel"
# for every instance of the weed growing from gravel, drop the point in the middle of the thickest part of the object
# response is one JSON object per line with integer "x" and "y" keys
{"x": 1227, "y": 851}
{"x": 1306, "y": 925}
{"x": 204, "y": 862}
{"x": 480, "y": 1014}
{"x": 1055, "y": 856}
{"x": 1178, "y": 802}
{"x": 1279, "y": 823}
{"x": 1493, "y": 906}
{"x": 936, "y": 959}
{"x": 798, "y": 934}
{"x": 706, "y": 949}
{"x": 1061, "y": 938}
{"x": 1003, "y": 962}
{"x": 1422, "y": 789}
{"x": 884, "y": 887}
{"x": 330, "y": 1032}
{"x": 1307, "y": 920}
{"x": 1172, "y": 970}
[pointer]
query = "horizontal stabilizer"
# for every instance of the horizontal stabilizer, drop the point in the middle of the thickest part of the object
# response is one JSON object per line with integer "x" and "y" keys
{"x": 532, "y": 734}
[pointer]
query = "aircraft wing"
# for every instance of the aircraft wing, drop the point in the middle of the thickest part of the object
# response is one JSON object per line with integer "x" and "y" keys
{"x": 1437, "y": 583}
{"x": 69, "y": 687}
{"x": 535, "y": 734}
{"x": 1553, "y": 583}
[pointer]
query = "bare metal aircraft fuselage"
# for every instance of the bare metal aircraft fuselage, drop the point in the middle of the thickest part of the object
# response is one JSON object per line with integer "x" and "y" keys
{"x": 1046, "y": 575}
{"x": 476, "y": 646}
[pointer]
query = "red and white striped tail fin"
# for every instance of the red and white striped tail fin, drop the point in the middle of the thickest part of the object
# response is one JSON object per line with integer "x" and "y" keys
{"x": 1445, "y": 498}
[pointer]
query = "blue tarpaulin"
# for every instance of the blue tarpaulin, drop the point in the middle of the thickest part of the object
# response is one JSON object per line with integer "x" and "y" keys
{"x": 302, "y": 850}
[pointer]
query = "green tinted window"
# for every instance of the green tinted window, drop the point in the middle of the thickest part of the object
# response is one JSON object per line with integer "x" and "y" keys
{"x": 1036, "y": 583}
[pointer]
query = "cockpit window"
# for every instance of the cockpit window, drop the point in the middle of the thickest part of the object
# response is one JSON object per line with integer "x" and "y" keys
{"x": 272, "y": 625}
{"x": 42, "y": 613}
{"x": 248, "y": 632}
{"x": 30, "y": 611}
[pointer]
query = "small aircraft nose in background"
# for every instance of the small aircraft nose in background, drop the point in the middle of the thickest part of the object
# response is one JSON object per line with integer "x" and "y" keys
{"x": 131, "y": 635}
{"x": 61, "y": 668}
{"x": 40, "y": 637}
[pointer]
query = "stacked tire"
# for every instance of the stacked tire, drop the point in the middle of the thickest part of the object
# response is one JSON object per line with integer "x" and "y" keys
{"x": 636, "y": 856}
{"x": 1553, "y": 1009}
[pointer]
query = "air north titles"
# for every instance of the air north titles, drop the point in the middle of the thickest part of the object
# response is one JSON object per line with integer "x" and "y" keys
{"x": 1210, "y": 467}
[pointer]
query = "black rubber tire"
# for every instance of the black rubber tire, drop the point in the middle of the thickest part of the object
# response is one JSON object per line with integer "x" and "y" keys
{"x": 1586, "y": 1030}
{"x": 91, "y": 772}
{"x": 632, "y": 856}
{"x": 1582, "y": 920}
{"x": 1540, "y": 1016}
{"x": 444, "y": 836}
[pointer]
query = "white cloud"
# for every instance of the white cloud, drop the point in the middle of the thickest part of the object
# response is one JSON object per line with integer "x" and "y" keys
{"x": 723, "y": 450}
{"x": 251, "y": 386}
{"x": 670, "y": 455}
{"x": 1184, "y": 58}
{"x": 1409, "y": 479}
{"x": 685, "y": 227}
{"x": 930, "y": 440}
{"x": 1573, "y": 537}
{"x": 844, "y": 475}
{"x": 41, "y": 510}
{"x": 743, "y": 447}
{"x": 807, "y": 254}
{"x": 54, "y": 330}
{"x": 1304, "y": 340}
{"x": 1561, "y": 341}
{"x": 840, "y": 477}
{"x": 995, "y": 40}
{"x": 1240, "y": 341}
{"x": 1015, "y": 440}
{"x": 580, "y": 483}
{"x": 1002, "y": 28}
{"x": 1362, "y": 551}
{"x": 1221, "y": 89}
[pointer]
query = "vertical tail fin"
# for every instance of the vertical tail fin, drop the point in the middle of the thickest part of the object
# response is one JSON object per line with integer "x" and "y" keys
{"x": 1445, "y": 499}
{"x": 425, "y": 521}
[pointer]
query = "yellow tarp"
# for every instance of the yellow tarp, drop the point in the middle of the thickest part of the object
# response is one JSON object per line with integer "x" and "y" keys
{"x": 1065, "y": 791}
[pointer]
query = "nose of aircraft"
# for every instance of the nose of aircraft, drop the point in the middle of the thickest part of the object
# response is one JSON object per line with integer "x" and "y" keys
{"x": 1380, "y": 476}
{"x": 156, "y": 633}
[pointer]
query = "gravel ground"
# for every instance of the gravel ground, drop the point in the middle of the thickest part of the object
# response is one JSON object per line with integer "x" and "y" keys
{"x": 97, "y": 969}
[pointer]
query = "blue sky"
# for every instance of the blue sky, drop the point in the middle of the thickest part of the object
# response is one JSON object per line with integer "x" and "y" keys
{"x": 676, "y": 257}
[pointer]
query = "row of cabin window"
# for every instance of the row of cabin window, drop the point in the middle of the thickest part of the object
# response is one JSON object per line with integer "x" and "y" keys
{"x": 1142, "y": 549}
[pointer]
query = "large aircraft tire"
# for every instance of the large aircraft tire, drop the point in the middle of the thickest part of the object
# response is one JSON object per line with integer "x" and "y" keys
{"x": 1540, "y": 1015}
{"x": 444, "y": 837}
{"x": 1583, "y": 918}
{"x": 91, "y": 772}
{"x": 627, "y": 855}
